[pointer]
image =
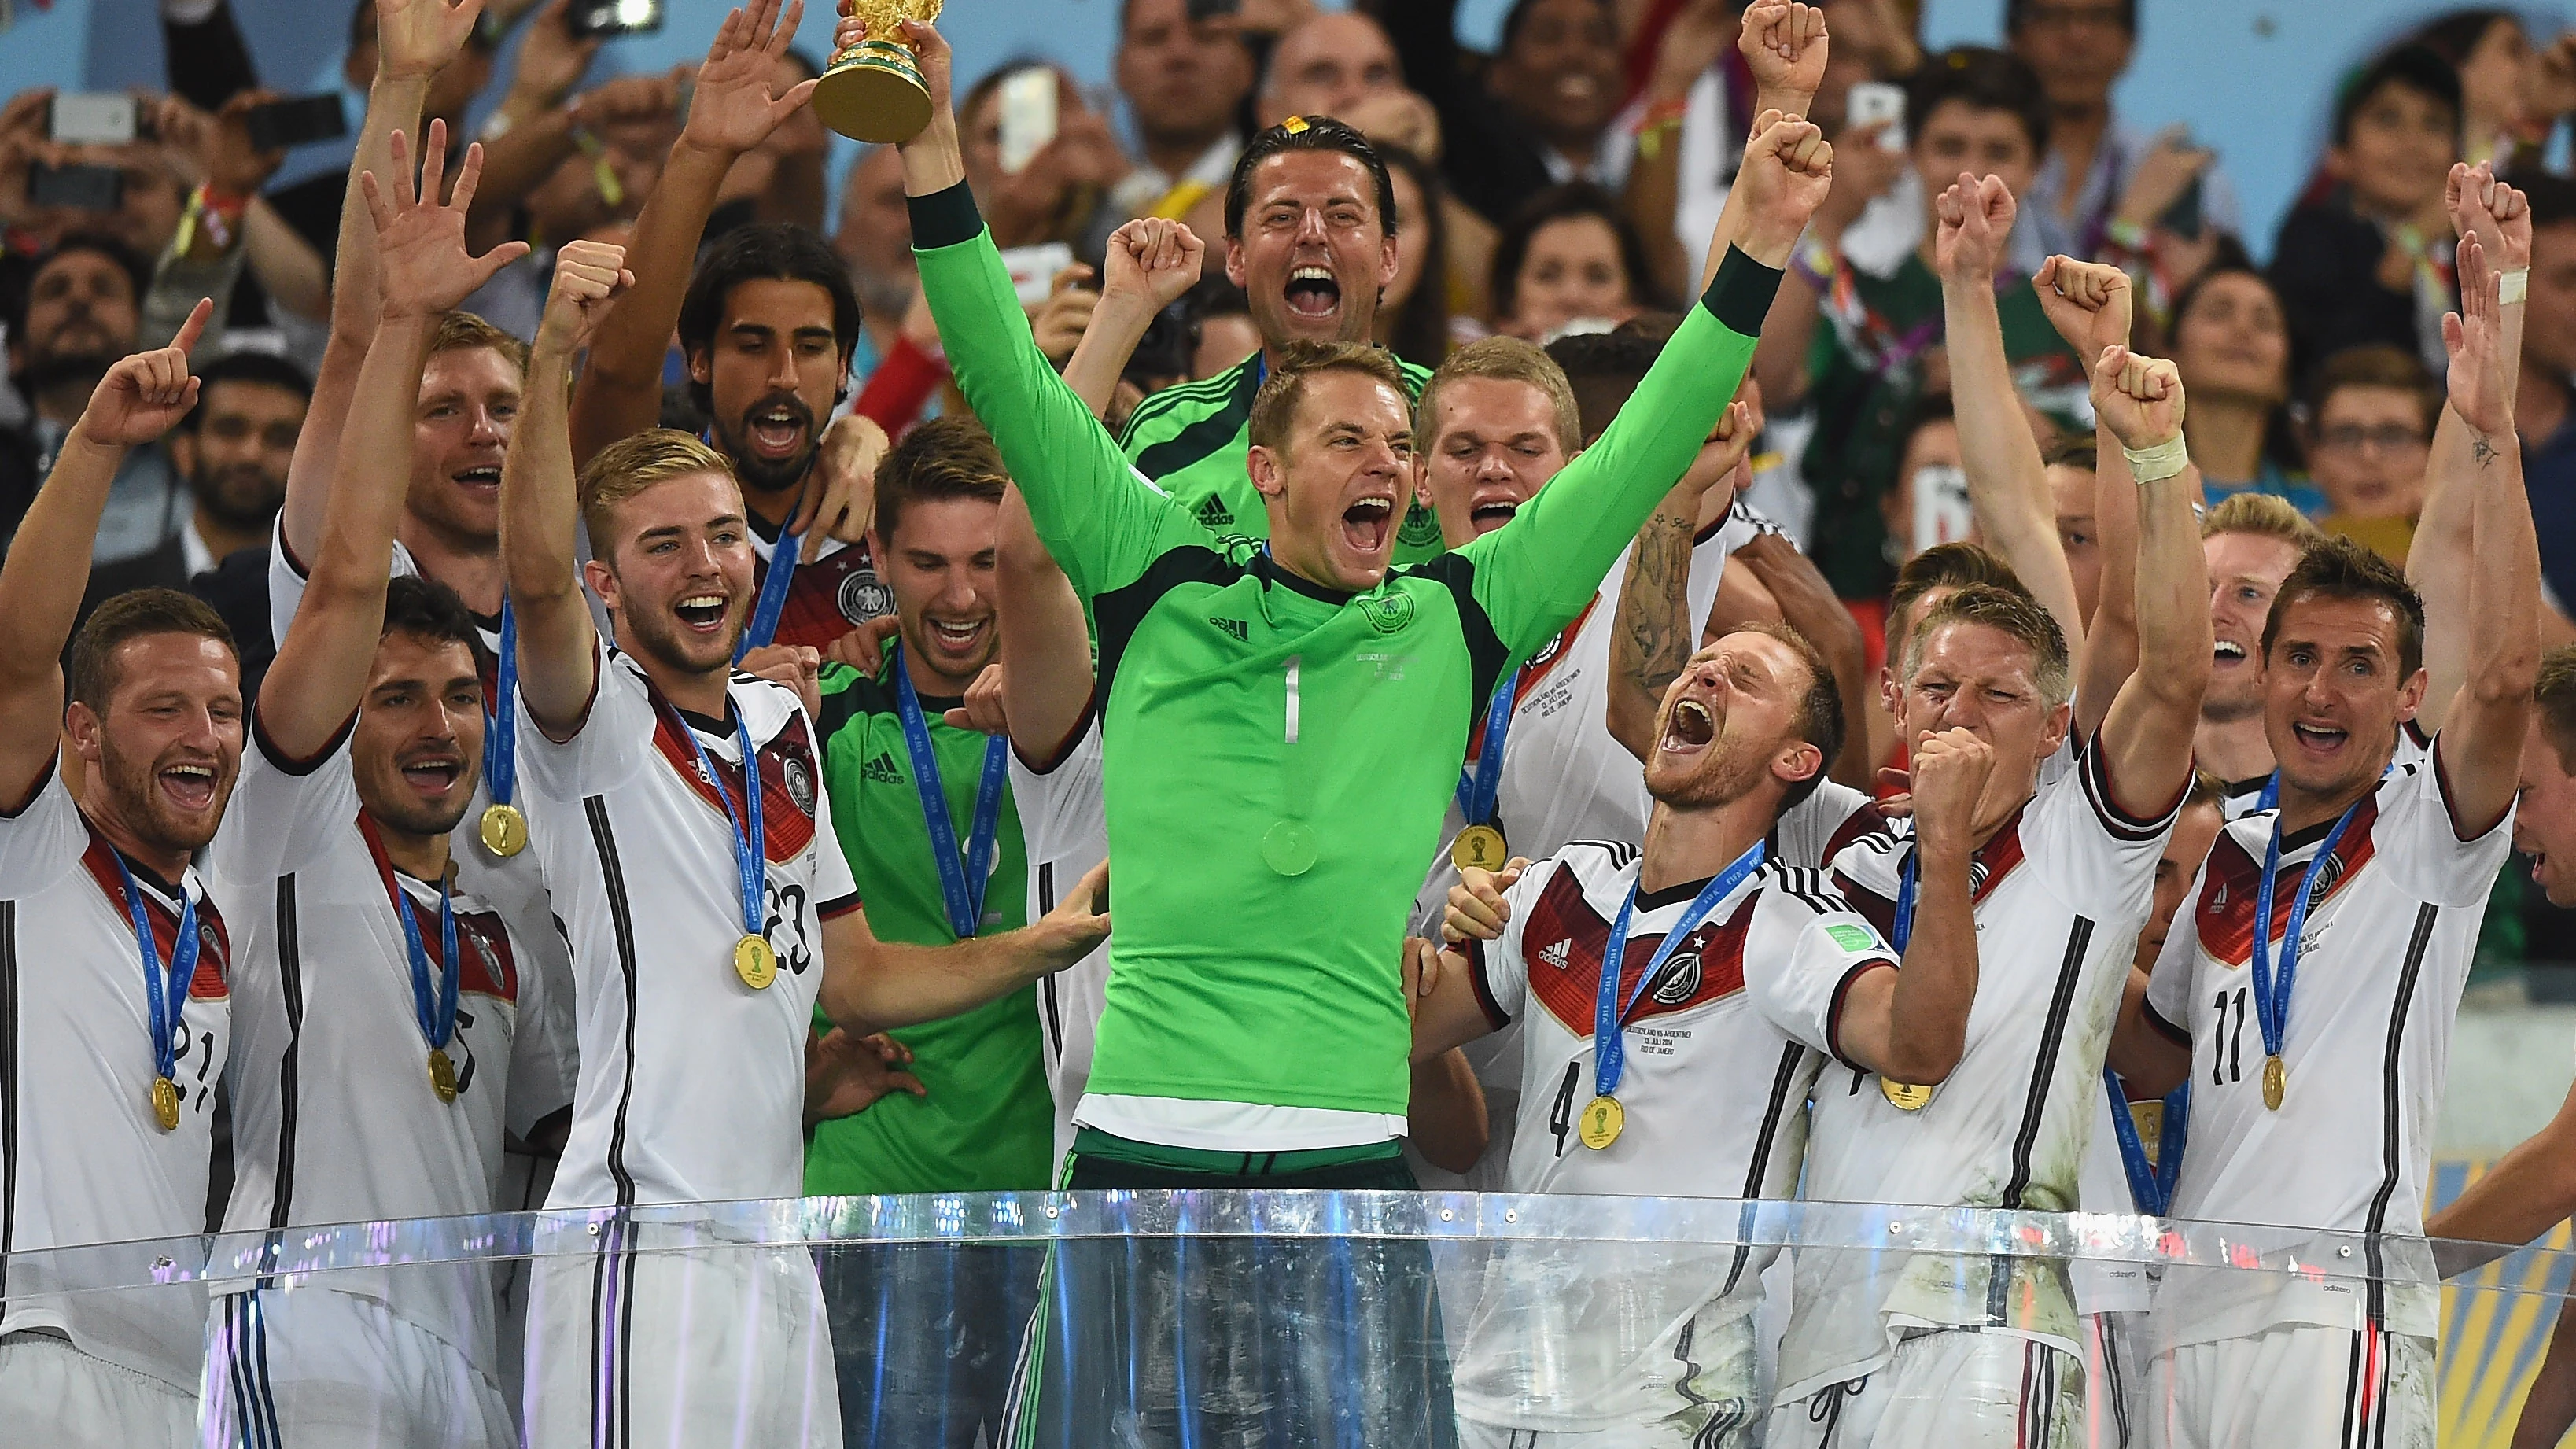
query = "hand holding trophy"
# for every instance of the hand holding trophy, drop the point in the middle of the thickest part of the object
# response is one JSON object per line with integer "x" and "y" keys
{"x": 873, "y": 90}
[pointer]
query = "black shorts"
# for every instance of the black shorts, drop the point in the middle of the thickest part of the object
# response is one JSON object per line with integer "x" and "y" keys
{"x": 1236, "y": 1342}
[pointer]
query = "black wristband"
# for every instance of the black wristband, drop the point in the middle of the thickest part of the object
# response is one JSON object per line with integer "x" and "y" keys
{"x": 1739, "y": 296}
{"x": 945, "y": 218}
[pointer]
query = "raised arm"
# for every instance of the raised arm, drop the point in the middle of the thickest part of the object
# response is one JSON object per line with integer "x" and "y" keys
{"x": 324, "y": 660}
{"x": 1539, "y": 570}
{"x": 415, "y": 39}
{"x": 2480, "y": 746}
{"x": 871, "y": 985}
{"x": 46, "y": 568}
{"x": 1807, "y": 604}
{"x": 1046, "y": 644}
{"x": 1652, "y": 634}
{"x": 1910, "y": 1025}
{"x": 1151, "y": 264}
{"x": 2147, "y": 733}
{"x": 2088, "y": 304}
{"x": 558, "y": 644}
{"x": 2007, "y": 484}
{"x": 730, "y": 111}
{"x": 2442, "y": 557}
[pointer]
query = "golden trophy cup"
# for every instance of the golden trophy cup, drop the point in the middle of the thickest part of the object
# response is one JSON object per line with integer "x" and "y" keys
{"x": 873, "y": 91}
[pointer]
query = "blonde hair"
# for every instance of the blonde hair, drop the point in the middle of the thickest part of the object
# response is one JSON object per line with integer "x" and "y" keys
{"x": 2264, "y": 514}
{"x": 464, "y": 332}
{"x": 2011, "y": 613}
{"x": 632, "y": 464}
{"x": 1504, "y": 359}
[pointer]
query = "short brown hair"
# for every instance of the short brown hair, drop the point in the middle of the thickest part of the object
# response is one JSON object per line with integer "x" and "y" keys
{"x": 1820, "y": 707}
{"x": 1504, "y": 359}
{"x": 2008, "y": 611}
{"x": 2074, "y": 451}
{"x": 2338, "y": 568}
{"x": 2555, "y": 692}
{"x": 2375, "y": 364}
{"x": 1274, "y": 408}
{"x": 947, "y": 457}
{"x": 133, "y": 615}
{"x": 1945, "y": 566}
{"x": 465, "y": 332}
{"x": 2265, "y": 514}
{"x": 629, "y": 466}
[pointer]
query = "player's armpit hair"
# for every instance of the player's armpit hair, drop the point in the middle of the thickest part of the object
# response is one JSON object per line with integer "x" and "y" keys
{"x": 136, "y": 614}
{"x": 1274, "y": 408}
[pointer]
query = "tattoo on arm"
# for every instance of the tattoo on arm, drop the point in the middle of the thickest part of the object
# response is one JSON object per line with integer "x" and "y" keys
{"x": 1656, "y": 600}
{"x": 2481, "y": 451}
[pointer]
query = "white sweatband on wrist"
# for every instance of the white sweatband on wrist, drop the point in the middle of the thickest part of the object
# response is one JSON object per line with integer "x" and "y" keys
{"x": 2156, "y": 464}
{"x": 2513, "y": 286}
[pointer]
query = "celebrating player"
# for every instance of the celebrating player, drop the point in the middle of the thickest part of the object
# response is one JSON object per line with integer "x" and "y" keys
{"x": 1681, "y": 941}
{"x": 2366, "y": 885}
{"x": 1333, "y": 695}
{"x": 2062, "y": 877}
{"x": 689, "y": 842}
{"x": 387, "y": 1028}
{"x": 768, "y": 321}
{"x": 113, "y": 1077}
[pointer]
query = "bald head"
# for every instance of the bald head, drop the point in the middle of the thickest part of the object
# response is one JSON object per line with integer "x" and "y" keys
{"x": 1326, "y": 66}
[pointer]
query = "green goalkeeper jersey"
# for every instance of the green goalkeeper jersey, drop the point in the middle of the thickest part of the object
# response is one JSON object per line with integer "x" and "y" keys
{"x": 988, "y": 1123}
{"x": 1193, "y": 440}
{"x": 1277, "y": 756}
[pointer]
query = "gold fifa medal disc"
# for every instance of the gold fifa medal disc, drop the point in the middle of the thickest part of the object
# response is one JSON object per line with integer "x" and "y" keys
{"x": 1905, "y": 1097}
{"x": 1601, "y": 1122}
{"x": 442, "y": 1076}
{"x": 2276, "y": 1082}
{"x": 165, "y": 1103}
{"x": 504, "y": 830}
{"x": 755, "y": 962}
{"x": 1479, "y": 847}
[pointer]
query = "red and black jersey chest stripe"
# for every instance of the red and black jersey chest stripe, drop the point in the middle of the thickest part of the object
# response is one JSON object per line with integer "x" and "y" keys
{"x": 2224, "y": 914}
{"x": 488, "y": 967}
{"x": 1565, "y": 940}
{"x": 830, "y": 596}
{"x": 1994, "y": 861}
{"x": 214, "y": 944}
{"x": 789, "y": 781}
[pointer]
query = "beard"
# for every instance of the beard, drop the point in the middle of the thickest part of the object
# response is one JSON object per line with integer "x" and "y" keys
{"x": 134, "y": 786}
{"x": 76, "y": 368}
{"x": 1722, "y": 777}
{"x": 398, "y": 807}
{"x": 658, "y": 638}
{"x": 242, "y": 495}
{"x": 757, "y": 474}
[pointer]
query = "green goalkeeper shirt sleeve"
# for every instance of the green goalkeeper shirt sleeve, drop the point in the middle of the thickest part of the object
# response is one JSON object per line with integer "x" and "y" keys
{"x": 1536, "y": 573}
{"x": 1101, "y": 520}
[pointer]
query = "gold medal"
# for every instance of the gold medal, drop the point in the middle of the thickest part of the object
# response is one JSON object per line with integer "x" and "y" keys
{"x": 504, "y": 830}
{"x": 442, "y": 1076}
{"x": 755, "y": 962}
{"x": 2276, "y": 1082}
{"x": 1601, "y": 1122}
{"x": 1903, "y": 1096}
{"x": 1479, "y": 847}
{"x": 165, "y": 1103}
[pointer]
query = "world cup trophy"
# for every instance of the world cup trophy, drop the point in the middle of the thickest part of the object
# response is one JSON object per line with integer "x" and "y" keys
{"x": 873, "y": 91}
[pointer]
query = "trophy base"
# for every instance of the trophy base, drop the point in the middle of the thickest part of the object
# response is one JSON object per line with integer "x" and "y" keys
{"x": 873, "y": 92}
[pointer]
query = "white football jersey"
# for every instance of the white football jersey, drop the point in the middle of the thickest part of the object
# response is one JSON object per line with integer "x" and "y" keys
{"x": 2246, "y": 797}
{"x": 2384, "y": 955}
{"x": 334, "y": 1118}
{"x": 83, "y": 1160}
{"x": 1713, "y": 1096}
{"x": 2061, "y": 892}
{"x": 692, "y": 1084}
{"x": 1066, "y": 831}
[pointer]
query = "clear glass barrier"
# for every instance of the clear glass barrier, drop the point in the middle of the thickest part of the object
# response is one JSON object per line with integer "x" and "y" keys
{"x": 1153, "y": 1318}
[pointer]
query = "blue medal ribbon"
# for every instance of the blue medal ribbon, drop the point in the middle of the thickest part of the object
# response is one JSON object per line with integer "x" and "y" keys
{"x": 437, "y": 1014}
{"x": 2150, "y": 1187}
{"x": 165, "y": 999}
{"x": 501, "y": 740}
{"x": 961, "y": 883}
{"x": 2270, "y": 799}
{"x": 750, "y": 854}
{"x": 1609, "y": 1039}
{"x": 773, "y": 594}
{"x": 1479, "y": 787}
{"x": 1904, "y": 903}
{"x": 2272, "y": 989}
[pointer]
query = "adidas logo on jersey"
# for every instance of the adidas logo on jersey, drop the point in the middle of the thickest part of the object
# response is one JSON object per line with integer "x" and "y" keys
{"x": 1241, "y": 630}
{"x": 1556, "y": 955}
{"x": 882, "y": 770}
{"x": 1213, "y": 514}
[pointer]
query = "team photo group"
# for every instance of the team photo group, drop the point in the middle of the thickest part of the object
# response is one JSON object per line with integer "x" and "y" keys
{"x": 635, "y": 764}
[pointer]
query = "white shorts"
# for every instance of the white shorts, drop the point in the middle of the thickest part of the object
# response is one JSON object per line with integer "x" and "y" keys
{"x": 314, "y": 1368}
{"x": 714, "y": 1348}
{"x": 1954, "y": 1388}
{"x": 55, "y": 1395}
{"x": 2298, "y": 1387}
{"x": 1715, "y": 1406}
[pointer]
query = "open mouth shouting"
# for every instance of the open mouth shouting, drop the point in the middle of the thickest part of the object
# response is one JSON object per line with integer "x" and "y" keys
{"x": 778, "y": 428}
{"x": 1368, "y": 525}
{"x": 1688, "y": 727}
{"x": 433, "y": 775}
{"x": 702, "y": 613}
{"x": 1313, "y": 294}
{"x": 2319, "y": 740}
{"x": 189, "y": 785}
{"x": 2227, "y": 654}
{"x": 479, "y": 479}
{"x": 956, "y": 639}
{"x": 1492, "y": 511}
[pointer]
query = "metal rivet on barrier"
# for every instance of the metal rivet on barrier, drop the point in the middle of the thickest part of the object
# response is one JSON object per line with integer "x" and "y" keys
{"x": 1446, "y": 1215}
{"x": 1511, "y": 1215}
{"x": 2344, "y": 1251}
